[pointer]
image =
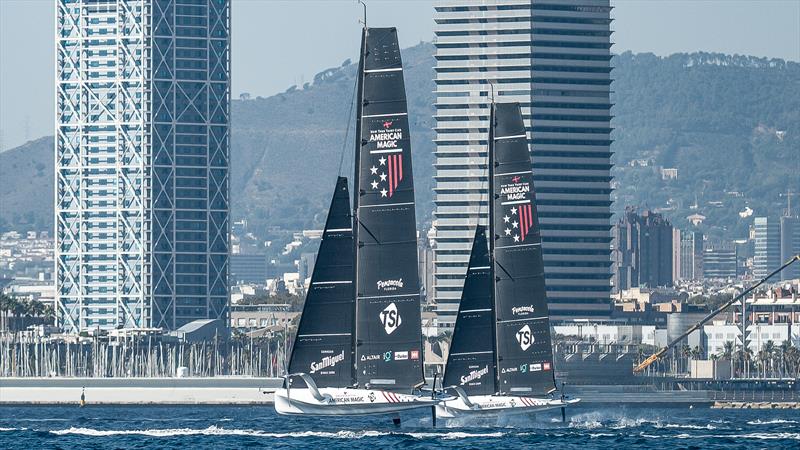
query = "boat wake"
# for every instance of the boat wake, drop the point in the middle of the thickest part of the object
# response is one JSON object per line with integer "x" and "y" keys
{"x": 218, "y": 431}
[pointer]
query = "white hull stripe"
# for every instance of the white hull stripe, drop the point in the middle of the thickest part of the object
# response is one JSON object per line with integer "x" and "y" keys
{"x": 475, "y": 310}
{"x": 479, "y": 268}
{"x": 394, "y": 69}
{"x": 471, "y": 353}
{"x": 333, "y": 282}
{"x": 393, "y": 150}
{"x": 384, "y": 115}
{"x": 500, "y": 138}
{"x": 515, "y": 202}
{"x": 339, "y": 229}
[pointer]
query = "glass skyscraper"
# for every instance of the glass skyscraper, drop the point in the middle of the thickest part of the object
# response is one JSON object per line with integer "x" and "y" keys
{"x": 142, "y": 147}
{"x": 767, "y": 255}
{"x": 553, "y": 57}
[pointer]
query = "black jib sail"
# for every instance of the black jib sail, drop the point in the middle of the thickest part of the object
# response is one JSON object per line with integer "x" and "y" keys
{"x": 388, "y": 324}
{"x": 470, "y": 362}
{"x": 524, "y": 350}
{"x": 323, "y": 347}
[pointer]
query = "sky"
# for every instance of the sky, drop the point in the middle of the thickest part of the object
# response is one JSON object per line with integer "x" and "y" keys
{"x": 278, "y": 43}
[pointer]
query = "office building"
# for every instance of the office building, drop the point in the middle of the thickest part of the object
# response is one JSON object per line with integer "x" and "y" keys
{"x": 642, "y": 250}
{"x": 691, "y": 255}
{"x": 554, "y": 59}
{"x": 719, "y": 261}
{"x": 248, "y": 268}
{"x": 790, "y": 246}
{"x": 767, "y": 255}
{"x": 142, "y": 146}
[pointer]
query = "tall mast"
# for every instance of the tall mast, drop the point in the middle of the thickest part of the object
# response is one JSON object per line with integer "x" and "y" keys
{"x": 356, "y": 184}
{"x": 490, "y": 218}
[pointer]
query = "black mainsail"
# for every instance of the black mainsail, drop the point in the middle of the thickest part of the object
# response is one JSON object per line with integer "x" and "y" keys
{"x": 524, "y": 350}
{"x": 470, "y": 361}
{"x": 388, "y": 324}
{"x": 323, "y": 347}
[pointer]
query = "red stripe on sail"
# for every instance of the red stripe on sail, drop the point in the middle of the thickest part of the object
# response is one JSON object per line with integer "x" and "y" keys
{"x": 523, "y": 219}
{"x": 391, "y": 175}
{"x": 531, "y": 225}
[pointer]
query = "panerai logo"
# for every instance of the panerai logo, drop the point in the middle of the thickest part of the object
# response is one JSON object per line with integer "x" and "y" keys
{"x": 518, "y": 310}
{"x": 390, "y": 318}
{"x": 328, "y": 361}
{"x": 474, "y": 375}
{"x": 390, "y": 285}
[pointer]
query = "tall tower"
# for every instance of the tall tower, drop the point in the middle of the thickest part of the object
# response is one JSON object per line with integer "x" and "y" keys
{"x": 767, "y": 255}
{"x": 552, "y": 56}
{"x": 142, "y": 146}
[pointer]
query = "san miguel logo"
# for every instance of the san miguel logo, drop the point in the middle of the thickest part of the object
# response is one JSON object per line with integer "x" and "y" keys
{"x": 474, "y": 375}
{"x": 390, "y": 285}
{"x": 328, "y": 361}
{"x": 387, "y": 162}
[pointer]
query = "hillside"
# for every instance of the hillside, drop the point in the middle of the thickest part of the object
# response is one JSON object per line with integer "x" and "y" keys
{"x": 730, "y": 125}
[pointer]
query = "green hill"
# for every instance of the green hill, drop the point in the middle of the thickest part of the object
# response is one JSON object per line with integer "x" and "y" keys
{"x": 730, "y": 125}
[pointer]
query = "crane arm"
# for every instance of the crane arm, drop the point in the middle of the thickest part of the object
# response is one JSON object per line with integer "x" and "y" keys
{"x": 657, "y": 355}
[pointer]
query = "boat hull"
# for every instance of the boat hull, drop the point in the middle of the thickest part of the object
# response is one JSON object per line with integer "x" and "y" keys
{"x": 346, "y": 402}
{"x": 493, "y": 405}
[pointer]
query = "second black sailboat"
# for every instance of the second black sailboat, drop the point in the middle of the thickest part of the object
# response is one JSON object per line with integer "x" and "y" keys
{"x": 501, "y": 357}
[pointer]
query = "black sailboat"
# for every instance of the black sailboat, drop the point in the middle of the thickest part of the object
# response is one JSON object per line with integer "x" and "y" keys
{"x": 501, "y": 354}
{"x": 358, "y": 349}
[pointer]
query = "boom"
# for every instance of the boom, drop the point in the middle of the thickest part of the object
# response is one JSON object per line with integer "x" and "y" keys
{"x": 657, "y": 355}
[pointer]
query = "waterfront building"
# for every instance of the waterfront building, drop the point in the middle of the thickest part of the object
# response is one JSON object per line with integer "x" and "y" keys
{"x": 767, "y": 255}
{"x": 141, "y": 162}
{"x": 554, "y": 59}
{"x": 642, "y": 250}
{"x": 719, "y": 261}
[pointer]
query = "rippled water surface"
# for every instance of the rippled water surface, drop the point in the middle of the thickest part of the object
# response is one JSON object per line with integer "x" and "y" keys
{"x": 588, "y": 426}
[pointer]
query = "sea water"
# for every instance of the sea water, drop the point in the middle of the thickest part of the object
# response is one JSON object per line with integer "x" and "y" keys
{"x": 215, "y": 427}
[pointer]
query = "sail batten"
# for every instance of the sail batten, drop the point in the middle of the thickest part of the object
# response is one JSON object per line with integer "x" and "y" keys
{"x": 388, "y": 323}
{"x": 323, "y": 346}
{"x": 522, "y": 327}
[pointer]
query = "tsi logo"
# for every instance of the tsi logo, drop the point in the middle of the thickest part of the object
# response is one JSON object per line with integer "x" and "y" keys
{"x": 525, "y": 338}
{"x": 390, "y": 318}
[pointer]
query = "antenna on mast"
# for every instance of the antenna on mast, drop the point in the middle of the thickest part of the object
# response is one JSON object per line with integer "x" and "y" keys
{"x": 363, "y": 22}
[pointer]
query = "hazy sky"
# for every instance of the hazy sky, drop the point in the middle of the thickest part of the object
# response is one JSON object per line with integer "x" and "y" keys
{"x": 277, "y": 43}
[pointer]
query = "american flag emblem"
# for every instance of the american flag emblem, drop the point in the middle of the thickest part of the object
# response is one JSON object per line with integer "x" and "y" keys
{"x": 518, "y": 222}
{"x": 387, "y": 172}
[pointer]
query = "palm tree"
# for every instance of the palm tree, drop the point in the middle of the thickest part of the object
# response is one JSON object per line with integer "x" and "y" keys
{"x": 727, "y": 353}
{"x": 784, "y": 349}
{"x": 769, "y": 351}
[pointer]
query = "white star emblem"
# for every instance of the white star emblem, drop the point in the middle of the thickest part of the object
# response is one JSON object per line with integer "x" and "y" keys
{"x": 508, "y": 232}
{"x": 516, "y": 238}
{"x": 384, "y": 192}
{"x": 383, "y": 177}
{"x": 506, "y": 219}
{"x": 382, "y": 161}
{"x": 374, "y": 184}
{"x": 514, "y": 223}
{"x": 513, "y": 211}
{"x": 374, "y": 170}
